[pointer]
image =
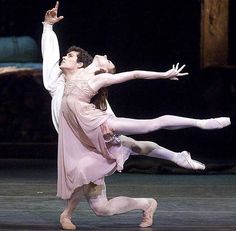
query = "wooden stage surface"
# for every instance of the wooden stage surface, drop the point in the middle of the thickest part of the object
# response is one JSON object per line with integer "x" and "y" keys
{"x": 186, "y": 202}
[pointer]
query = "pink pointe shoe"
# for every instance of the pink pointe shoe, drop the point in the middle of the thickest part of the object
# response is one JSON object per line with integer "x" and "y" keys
{"x": 148, "y": 214}
{"x": 66, "y": 223}
{"x": 214, "y": 123}
{"x": 184, "y": 160}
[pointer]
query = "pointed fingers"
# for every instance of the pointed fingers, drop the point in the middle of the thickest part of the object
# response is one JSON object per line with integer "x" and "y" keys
{"x": 60, "y": 18}
{"x": 183, "y": 74}
{"x": 181, "y": 68}
{"x": 57, "y": 5}
{"x": 177, "y": 66}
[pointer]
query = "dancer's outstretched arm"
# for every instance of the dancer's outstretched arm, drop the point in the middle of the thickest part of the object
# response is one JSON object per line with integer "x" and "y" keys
{"x": 50, "y": 50}
{"x": 107, "y": 79}
{"x": 53, "y": 79}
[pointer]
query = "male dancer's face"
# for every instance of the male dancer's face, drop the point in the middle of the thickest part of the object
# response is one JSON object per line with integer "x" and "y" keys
{"x": 69, "y": 61}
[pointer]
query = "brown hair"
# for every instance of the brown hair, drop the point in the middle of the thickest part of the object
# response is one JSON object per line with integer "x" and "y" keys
{"x": 99, "y": 100}
{"x": 83, "y": 56}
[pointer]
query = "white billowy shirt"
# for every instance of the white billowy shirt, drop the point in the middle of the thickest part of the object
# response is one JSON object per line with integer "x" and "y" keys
{"x": 53, "y": 78}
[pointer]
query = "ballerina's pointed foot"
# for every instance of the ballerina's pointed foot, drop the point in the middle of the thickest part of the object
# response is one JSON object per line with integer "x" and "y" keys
{"x": 148, "y": 214}
{"x": 66, "y": 223}
{"x": 184, "y": 160}
{"x": 214, "y": 123}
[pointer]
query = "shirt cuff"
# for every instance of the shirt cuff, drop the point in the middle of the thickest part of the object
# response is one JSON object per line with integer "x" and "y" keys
{"x": 47, "y": 25}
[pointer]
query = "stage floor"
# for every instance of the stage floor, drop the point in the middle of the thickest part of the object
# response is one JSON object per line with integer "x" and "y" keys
{"x": 186, "y": 202}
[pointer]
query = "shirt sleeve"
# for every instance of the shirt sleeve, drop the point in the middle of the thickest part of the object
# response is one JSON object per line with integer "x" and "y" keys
{"x": 51, "y": 57}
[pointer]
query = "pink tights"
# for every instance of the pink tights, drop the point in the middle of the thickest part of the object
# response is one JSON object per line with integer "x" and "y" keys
{"x": 126, "y": 126}
{"x": 96, "y": 195}
{"x": 97, "y": 199}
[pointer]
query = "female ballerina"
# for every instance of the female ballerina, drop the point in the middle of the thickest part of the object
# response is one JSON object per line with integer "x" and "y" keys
{"x": 87, "y": 135}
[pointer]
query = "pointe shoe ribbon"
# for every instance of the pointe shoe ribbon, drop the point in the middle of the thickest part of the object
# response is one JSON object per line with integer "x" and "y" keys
{"x": 148, "y": 215}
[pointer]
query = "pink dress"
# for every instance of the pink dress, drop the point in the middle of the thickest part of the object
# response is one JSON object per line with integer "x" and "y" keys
{"x": 83, "y": 154}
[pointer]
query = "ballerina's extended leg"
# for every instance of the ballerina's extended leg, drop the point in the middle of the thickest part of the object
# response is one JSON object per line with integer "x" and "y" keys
{"x": 126, "y": 126}
{"x": 182, "y": 159}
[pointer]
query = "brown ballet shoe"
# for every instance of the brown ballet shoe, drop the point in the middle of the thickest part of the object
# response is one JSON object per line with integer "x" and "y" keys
{"x": 66, "y": 223}
{"x": 148, "y": 214}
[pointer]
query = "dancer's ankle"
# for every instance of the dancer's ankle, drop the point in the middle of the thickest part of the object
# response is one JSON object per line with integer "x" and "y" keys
{"x": 66, "y": 214}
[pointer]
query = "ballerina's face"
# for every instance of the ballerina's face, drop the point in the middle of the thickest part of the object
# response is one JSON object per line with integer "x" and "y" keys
{"x": 105, "y": 63}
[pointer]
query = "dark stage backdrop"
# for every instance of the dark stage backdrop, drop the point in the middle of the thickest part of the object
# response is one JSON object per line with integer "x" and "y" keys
{"x": 149, "y": 35}
{"x": 135, "y": 34}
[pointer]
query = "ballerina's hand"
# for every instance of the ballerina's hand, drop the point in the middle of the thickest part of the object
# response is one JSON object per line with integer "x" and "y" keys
{"x": 173, "y": 73}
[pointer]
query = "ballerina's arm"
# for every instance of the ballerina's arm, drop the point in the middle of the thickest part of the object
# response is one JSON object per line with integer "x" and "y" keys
{"x": 106, "y": 79}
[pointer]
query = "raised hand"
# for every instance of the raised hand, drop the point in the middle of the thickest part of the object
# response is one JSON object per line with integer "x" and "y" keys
{"x": 51, "y": 15}
{"x": 173, "y": 73}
